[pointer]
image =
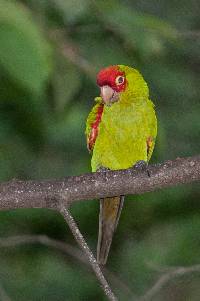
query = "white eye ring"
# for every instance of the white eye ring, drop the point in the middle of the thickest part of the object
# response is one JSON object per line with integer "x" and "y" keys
{"x": 119, "y": 80}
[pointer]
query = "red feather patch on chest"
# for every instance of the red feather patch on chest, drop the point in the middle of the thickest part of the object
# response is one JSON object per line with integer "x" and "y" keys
{"x": 95, "y": 128}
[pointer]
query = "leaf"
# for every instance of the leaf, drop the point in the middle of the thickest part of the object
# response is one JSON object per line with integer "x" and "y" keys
{"x": 24, "y": 53}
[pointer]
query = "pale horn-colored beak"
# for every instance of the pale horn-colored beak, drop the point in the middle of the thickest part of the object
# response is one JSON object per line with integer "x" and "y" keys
{"x": 107, "y": 94}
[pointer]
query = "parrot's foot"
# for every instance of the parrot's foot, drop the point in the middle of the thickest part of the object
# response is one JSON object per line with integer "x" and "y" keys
{"x": 142, "y": 165}
{"x": 102, "y": 169}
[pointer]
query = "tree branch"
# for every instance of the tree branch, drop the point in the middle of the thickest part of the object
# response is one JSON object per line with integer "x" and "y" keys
{"x": 68, "y": 249}
{"x": 84, "y": 246}
{"x": 168, "y": 273}
{"x": 167, "y": 277}
{"x": 59, "y": 194}
{"x": 44, "y": 194}
{"x": 71, "y": 52}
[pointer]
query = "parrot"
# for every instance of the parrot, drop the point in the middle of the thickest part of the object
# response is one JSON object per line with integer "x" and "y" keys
{"x": 120, "y": 130}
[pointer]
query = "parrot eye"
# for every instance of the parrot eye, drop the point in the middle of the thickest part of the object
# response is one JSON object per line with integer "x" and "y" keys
{"x": 119, "y": 80}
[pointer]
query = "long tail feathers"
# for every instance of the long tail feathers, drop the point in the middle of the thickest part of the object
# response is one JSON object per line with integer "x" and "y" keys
{"x": 110, "y": 210}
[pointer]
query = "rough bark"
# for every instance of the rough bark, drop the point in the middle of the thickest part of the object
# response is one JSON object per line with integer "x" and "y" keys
{"x": 46, "y": 193}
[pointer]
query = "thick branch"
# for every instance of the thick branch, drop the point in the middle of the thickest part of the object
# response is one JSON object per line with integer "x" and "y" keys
{"x": 44, "y": 194}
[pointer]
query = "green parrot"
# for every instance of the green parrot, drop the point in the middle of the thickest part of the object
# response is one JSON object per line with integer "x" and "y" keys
{"x": 121, "y": 130}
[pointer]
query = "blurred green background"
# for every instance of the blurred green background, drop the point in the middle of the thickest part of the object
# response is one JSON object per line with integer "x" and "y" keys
{"x": 50, "y": 52}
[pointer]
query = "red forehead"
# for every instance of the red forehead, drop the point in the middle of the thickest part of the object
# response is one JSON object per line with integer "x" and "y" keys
{"x": 108, "y": 75}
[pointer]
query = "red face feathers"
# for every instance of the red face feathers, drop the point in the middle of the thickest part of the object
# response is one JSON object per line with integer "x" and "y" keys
{"x": 112, "y": 77}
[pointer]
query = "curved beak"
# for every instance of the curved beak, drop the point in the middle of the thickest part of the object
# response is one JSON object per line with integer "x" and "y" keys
{"x": 108, "y": 95}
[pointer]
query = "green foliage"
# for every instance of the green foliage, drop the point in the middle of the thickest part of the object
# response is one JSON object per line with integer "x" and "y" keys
{"x": 24, "y": 53}
{"x": 49, "y": 54}
{"x": 143, "y": 32}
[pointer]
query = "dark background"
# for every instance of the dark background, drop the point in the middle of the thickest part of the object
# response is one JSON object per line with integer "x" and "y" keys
{"x": 50, "y": 51}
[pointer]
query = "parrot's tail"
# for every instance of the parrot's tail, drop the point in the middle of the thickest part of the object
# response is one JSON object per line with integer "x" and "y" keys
{"x": 110, "y": 210}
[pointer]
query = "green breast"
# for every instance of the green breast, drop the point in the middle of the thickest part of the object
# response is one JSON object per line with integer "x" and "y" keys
{"x": 123, "y": 132}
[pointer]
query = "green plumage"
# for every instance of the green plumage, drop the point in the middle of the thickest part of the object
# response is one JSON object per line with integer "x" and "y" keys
{"x": 119, "y": 137}
{"x": 125, "y": 126}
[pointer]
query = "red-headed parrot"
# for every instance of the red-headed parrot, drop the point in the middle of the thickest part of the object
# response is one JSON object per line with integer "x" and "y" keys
{"x": 121, "y": 131}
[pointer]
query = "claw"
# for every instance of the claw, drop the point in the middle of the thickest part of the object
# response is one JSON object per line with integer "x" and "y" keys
{"x": 142, "y": 165}
{"x": 102, "y": 169}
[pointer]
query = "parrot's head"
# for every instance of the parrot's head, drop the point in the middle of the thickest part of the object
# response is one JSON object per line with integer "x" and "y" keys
{"x": 119, "y": 82}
